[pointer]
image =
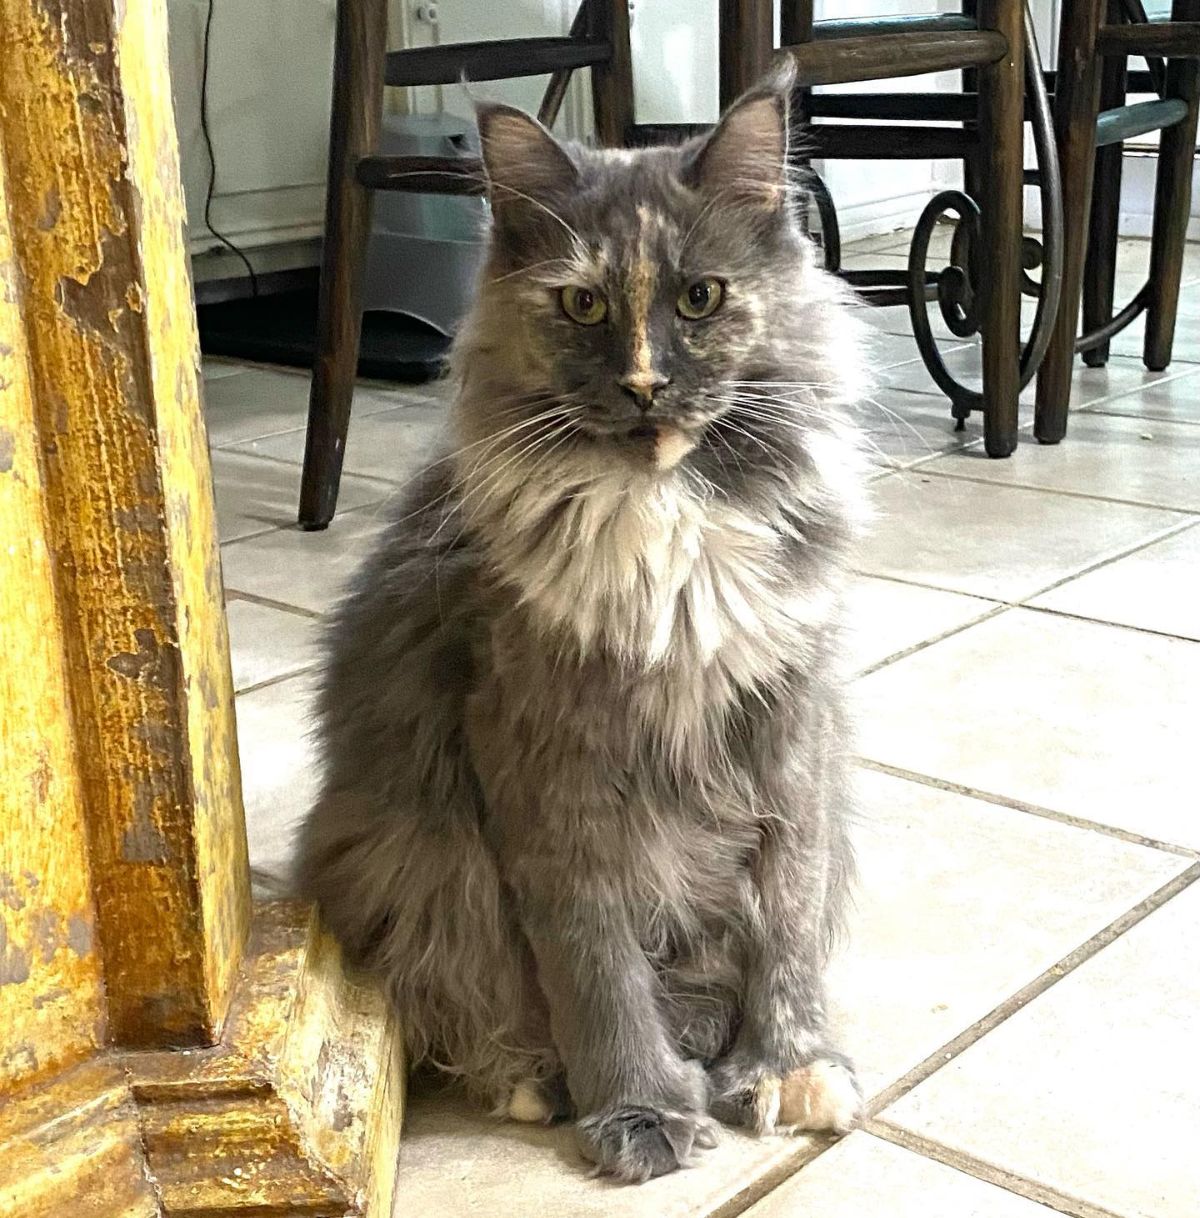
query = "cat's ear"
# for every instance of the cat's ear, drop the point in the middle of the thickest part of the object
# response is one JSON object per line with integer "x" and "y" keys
{"x": 523, "y": 160}
{"x": 745, "y": 156}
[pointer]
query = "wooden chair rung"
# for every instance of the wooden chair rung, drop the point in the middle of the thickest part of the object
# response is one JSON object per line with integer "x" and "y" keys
{"x": 880, "y": 56}
{"x": 502, "y": 59}
{"x": 437, "y": 175}
{"x": 1166, "y": 39}
{"x": 1127, "y": 122}
{"x": 863, "y": 27}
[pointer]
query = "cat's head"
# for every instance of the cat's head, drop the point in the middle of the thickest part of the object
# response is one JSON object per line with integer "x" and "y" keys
{"x": 638, "y": 297}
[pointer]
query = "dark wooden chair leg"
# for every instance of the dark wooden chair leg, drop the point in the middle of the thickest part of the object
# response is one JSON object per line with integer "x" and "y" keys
{"x": 1100, "y": 265}
{"x": 359, "y": 52}
{"x": 1172, "y": 203}
{"x": 746, "y": 44}
{"x": 1001, "y": 120}
{"x": 1076, "y": 104}
{"x": 612, "y": 81}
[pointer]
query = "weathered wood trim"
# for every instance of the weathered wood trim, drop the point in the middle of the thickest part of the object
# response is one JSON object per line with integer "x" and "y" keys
{"x": 98, "y": 237}
{"x": 51, "y": 992}
{"x": 295, "y": 1111}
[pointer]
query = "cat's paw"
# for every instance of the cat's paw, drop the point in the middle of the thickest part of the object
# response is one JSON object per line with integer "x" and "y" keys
{"x": 822, "y": 1095}
{"x": 634, "y": 1143}
{"x": 538, "y": 1103}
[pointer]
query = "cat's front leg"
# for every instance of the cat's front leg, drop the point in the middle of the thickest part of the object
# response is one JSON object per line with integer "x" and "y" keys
{"x": 783, "y": 1072}
{"x": 642, "y": 1107}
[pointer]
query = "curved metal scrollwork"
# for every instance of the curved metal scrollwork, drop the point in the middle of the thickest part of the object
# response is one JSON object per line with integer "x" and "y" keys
{"x": 956, "y": 285}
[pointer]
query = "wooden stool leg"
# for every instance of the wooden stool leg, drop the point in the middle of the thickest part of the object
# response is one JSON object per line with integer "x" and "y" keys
{"x": 1100, "y": 266}
{"x": 1001, "y": 105}
{"x": 1076, "y": 104}
{"x": 353, "y": 133}
{"x": 1172, "y": 204}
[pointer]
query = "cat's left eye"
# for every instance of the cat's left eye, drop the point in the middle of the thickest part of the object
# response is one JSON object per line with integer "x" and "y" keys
{"x": 700, "y": 299}
{"x": 584, "y": 306}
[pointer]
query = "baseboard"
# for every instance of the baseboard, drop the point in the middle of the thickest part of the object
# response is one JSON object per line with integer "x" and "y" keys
{"x": 880, "y": 215}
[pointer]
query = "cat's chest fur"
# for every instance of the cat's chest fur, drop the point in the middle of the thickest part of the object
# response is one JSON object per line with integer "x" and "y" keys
{"x": 688, "y": 599}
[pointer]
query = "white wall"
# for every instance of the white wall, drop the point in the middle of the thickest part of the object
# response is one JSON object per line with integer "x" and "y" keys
{"x": 270, "y": 69}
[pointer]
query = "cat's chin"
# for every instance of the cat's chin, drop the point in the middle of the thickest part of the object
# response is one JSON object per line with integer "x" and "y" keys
{"x": 657, "y": 446}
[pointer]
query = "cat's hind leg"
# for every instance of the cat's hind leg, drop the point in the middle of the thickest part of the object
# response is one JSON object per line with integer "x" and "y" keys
{"x": 424, "y": 909}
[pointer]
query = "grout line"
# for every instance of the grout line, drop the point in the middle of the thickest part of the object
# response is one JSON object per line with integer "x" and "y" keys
{"x": 1052, "y": 490}
{"x": 1165, "y": 534}
{"x": 1020, "y": 805}
{"x": 1141, "y": 418}
{"x": 1103, "y": 621}
{"x": 1181, "y": 526}
{"x": 295, "y": 465}
{"x": 1033, "y": 989}
{"x": 278, "y": 680}
{"x": 905, "y": 652}
{"x": 765, "y": 1183}
{"x": 238, "y": 595}
{"x": 990, "y": 1173}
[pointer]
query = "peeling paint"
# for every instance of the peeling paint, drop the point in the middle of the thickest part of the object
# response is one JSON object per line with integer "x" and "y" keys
{"x": 8, "y": 444}
{"x": 51, "y": 209}
{"x": 143, "y": 840}
{"x": 79, "y": 934}
{"x": 8, "y": 893}
{"x": 14, "y": 963}
{"x": 137, "y": 664}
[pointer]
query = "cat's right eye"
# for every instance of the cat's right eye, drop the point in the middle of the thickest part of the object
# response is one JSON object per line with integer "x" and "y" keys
{"x": 582, "y": 305}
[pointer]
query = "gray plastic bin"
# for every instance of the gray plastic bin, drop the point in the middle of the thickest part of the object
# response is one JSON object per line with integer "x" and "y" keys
{"x": 425, "y": 250}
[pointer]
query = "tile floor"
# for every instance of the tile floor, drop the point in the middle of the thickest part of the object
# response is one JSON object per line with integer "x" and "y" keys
{"x": 1021, "y": 986}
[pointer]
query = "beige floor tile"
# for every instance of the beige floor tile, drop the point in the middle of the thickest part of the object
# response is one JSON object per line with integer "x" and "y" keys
{"x": 1074, "y": 716}
{"x": 392, "y": 444}
{"x": 887, "y": 617}
{"x": 308, "y": 570}
{"x": 864, "y": 1177}
{"x": 959, "y": 904}
{"x": 254, "y": 494}
{"x": 1090, "y": 1089}
{"x": 249, "y": 402}
{"x": 456, "y": 1161}
{"x": 278, "y": 768}
{"x": 1146, "y": 590}
{"x": 1175, "y": 400}
{"x": 1110, "y": 456}
{"x": 991, "y": 540}
{"x": 267, "y": 643}
{"x": 905, "y": 428}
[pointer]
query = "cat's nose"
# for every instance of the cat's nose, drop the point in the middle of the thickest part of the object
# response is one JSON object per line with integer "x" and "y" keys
{"x": 642, "y": 386}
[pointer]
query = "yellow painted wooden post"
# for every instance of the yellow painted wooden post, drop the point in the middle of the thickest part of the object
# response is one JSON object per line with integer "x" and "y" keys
{"x": 162, "y": 1050}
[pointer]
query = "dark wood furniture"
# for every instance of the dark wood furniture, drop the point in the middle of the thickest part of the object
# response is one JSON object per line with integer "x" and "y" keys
{"x": 1093, "y": 117}
{"x": 987, "y": 42}
{"x": 362, "y": 68}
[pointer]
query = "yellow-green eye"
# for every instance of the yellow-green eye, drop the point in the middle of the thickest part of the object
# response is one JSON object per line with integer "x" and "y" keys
{"x": 701, "y": 298}
{"x": 583, "y": 305}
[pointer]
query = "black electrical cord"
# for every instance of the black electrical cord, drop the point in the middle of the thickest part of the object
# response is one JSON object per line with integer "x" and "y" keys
{"x": 212, "y": 161}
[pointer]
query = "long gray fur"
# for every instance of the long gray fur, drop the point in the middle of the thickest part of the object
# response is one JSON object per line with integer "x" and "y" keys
{"x": 584, "y": 801}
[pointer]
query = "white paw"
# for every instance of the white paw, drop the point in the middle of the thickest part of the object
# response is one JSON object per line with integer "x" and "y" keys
{"x": 821, "y": 1095}
{"x": 528, "y": 1103}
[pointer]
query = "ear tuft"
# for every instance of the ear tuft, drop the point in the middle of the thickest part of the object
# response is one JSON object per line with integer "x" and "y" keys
{"x": 745, "y": 156}
{"x": 522, "y": 159}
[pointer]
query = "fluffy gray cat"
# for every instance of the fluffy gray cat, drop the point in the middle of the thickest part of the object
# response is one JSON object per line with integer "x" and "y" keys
{"x": 584, "y": 794}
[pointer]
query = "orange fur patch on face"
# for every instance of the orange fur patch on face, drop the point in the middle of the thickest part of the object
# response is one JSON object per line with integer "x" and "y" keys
{"x": 671, "y": 446}
{"x": 640, "y": 292}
